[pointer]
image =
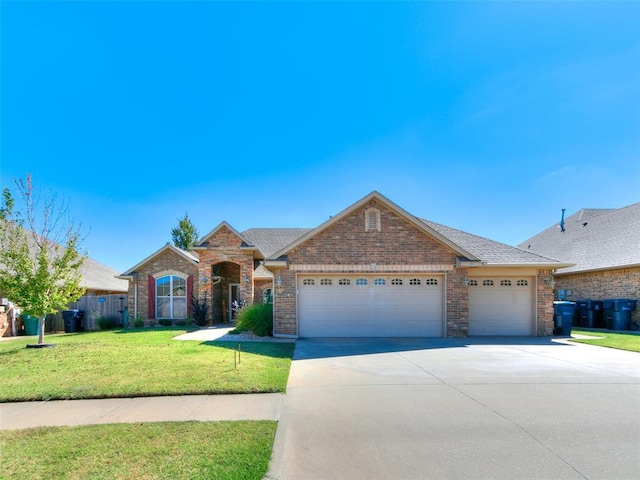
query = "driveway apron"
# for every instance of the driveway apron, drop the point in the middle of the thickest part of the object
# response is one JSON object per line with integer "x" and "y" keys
{"x": 499, "y": 408}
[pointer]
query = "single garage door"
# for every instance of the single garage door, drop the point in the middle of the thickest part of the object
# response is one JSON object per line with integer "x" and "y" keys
{"x": 500, "y": 306}
{"x": 370, "y": 306}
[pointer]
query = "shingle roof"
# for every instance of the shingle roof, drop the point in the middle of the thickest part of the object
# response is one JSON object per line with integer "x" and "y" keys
{"x": 270, "y": 240}
{"x": 490, "y": 252}
{"x": 96, "y": 276}
{"x": 593, "y": 239}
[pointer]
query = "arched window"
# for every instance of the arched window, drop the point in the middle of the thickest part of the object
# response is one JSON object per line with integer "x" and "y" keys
{"x": 379, "y": 281}
{"x": 522, "y": 283}
{"x": 505, "y": 283}
{"x": 326, "y": 281}
{"x": 415, "y": 281}
{"x": 171, "y": 297}
{"x": 361, "y": 281}
{"x": 431, "y": 281}
{"x": 308, "y": 281}
{"x": 487, "y": 283}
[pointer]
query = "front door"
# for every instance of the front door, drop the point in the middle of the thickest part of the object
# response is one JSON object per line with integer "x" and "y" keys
{"x": 234, "y": 301}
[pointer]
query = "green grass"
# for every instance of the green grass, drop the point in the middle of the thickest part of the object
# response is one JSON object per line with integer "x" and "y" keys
{"x": 621, "y": 341}
{"x": 134, "y": 363}
{"x": 175, "y": 450}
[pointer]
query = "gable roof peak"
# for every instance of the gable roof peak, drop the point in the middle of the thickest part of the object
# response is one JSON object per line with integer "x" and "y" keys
{"x": 391, "y": 206}
{"x": 217, "y": 228}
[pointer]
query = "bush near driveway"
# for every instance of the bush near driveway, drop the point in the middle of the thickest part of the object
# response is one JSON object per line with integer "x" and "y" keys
{"x": 176, "y": 450}
{"x": 257, "y": 318}
{"x": 134, "y": 363}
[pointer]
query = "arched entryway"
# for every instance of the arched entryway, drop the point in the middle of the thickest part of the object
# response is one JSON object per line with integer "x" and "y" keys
{"x": 225, "y": 290}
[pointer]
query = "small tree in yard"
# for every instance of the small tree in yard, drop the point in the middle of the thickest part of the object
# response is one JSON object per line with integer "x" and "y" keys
{"x": 39, "y": 254}
{"x": 185, "y": 235}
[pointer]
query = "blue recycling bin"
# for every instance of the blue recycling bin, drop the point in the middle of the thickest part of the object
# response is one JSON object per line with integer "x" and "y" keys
{"x": 563, "y": 314}
{"x": 589, "y": 313}
{"x": 617, "y": 313}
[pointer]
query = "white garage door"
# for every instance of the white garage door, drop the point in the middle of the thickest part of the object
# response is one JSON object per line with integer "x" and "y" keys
{"x": 501, "y": 306}
{"x": 370, "y": 306}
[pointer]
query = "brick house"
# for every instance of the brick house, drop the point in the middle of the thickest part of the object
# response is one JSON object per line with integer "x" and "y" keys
{"x": 603, "y": 245}
{"x": 371, "y": 270}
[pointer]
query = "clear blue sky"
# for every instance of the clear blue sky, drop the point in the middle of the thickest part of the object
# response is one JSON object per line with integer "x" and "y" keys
{"x": 489, "y": 117}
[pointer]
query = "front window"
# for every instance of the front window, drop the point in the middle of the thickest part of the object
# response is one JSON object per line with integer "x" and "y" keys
{"x": 267, "y": 295}
{"x": 171, "y": 297}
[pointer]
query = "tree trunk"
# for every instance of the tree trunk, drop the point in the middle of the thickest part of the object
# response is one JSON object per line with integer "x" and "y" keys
{"x": 41, "y": 329}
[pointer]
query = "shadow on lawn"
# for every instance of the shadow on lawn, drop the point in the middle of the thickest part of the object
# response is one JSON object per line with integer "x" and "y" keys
{"x": 269, "y": 349}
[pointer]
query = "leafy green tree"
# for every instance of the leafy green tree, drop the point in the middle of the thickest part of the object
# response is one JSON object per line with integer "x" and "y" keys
{"x": 39, "y": 254}
{"x": 185, "y": 235}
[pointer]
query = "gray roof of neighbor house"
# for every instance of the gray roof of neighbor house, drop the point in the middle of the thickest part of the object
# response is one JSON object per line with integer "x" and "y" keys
{"x": 96, "y": 276}
{"x": 491, "y": 252}
{"x": 270, "y": 240}
{"x": 593, "y": 239}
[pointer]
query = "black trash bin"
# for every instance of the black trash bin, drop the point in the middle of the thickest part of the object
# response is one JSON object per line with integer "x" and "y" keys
{"x": 589, "y": 313}
{"x": 72, "y": 320}
{"x": 617, "y": 313}
{"x": 563, "y": 314}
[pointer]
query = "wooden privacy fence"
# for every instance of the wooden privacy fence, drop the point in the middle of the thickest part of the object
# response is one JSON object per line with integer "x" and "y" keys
{"x": 96, "y": 306}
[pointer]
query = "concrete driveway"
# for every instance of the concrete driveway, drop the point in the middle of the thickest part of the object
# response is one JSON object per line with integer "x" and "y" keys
{"x": 459, "y": 409}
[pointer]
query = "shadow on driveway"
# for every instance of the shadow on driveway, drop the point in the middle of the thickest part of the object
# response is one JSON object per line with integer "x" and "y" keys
{"x": 309, "y": 348}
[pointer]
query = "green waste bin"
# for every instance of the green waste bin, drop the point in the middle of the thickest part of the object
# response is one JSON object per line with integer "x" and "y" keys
{"x": 30, "y": 325}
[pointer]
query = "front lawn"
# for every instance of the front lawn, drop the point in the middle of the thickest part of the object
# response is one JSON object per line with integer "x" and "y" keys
{"x": 621, "y": 341}
{"x": 134, "y": 363}
{"x": 176, "y": 450}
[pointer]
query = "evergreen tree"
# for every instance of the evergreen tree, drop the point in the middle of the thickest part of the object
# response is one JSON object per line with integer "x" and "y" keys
{"x": 185, "y": 235}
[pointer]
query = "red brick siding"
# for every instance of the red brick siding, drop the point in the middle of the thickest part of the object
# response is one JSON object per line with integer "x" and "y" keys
{"x": 618, "y": 283}
{"x": 457, "y": 305}
{"x": 225, "y": 246}
{"x": 347, "y": 242}
{"x": 544, "y": 303}
{"x": 258, "y": 289}
{"x": 166, "y": 261}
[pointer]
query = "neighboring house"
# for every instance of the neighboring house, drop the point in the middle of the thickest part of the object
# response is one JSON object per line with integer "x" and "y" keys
{"x": 603, "y": 245}
{"x": 100, "y": 283}
{"x": 372, "y": 270}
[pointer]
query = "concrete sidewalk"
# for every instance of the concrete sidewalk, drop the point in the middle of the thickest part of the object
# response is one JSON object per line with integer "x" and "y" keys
{"x": 261, "y": 406}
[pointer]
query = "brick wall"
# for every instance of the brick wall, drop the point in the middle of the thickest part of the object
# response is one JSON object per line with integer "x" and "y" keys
{"x": 544, "y": 306}
{"x": 457, "y": 304}
{"x": 166, "y": 263}
{"x": 225, "y": 247}
{"x": 603, "y": 285}
{"x": 350, "y": 242}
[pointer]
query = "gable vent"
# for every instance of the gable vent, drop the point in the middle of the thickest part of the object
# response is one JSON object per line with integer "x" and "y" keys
{"x": 372, "y": 220}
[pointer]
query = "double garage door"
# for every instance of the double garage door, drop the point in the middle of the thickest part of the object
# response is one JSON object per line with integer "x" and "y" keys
{"x": 370, "y": 305}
